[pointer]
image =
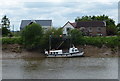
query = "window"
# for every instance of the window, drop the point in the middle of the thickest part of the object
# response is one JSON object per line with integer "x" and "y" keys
{"x": 72, "y": 50}
{"x": 68, "y": 29}
{"x": 90, "y": 29}
{"x": 98, "y": 29}
{"x": 75, "y": 49}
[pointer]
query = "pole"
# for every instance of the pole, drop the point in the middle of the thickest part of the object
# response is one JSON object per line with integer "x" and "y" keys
{"x": 70, "y": 41}
{"x": 13, "y": 29}
{"x": 50, "y": 42}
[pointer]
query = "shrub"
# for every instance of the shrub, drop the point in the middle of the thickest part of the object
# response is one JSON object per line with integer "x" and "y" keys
{"x": 99, "y": 41}
{"x": 31, "y": 36}
{"x": 76, "y": 36}
{"x": 13, "y": 40}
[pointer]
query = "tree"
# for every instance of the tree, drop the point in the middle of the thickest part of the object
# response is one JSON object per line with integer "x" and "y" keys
{"x": 54, "y": 33}
{"x": 5, "y": 31}
{"x": 31, "y": 36}
{"x": 118, "y": 27}
{"x": 5, "y": 22}
{"x": 76, "y": 36}
{"x": 5, "y": 25}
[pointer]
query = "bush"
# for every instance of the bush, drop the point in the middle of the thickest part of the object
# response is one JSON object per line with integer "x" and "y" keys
{"x": 76, "y": 36}
{"x": 31, "y": 36}
{"x": 5, "y": 31}
{"x": 99, "y": 41}
{"x": 13, "y": 40}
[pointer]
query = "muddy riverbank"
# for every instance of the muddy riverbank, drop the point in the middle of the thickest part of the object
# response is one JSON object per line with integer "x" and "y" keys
{"x": 17, "y": 51}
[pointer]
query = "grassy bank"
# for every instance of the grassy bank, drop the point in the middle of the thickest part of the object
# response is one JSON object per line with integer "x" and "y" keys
{"x": 94, "y": 41}
{"x": 100, "y": 41}
{"x": 13, "y": 40}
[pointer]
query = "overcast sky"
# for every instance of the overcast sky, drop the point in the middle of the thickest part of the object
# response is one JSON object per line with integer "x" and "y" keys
{"x": 59, "y": 11}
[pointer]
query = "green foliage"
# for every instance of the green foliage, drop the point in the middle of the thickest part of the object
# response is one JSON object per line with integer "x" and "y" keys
{"x": 54, "y": 33}
{"x": 31, "y": 36}
{"x": 100, "y": 41}
{"x": 5, "y": 31}
{"x": 110, "y": 23}
{"x": 76, "y": 36}
{"x": 13, "y": 40}
{"x": 17, "y": 33}
{"x": 94, "y": 41}
{"x": 5, "y": 22}
{"x": 118, "y": 27}
{"x": 111, "y": 30}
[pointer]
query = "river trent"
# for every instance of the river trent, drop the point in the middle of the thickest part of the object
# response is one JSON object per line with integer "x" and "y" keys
{"x": 60, "y": 68}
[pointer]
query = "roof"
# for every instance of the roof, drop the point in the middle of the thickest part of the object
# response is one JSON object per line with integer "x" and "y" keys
{"x": 90, "y": 24}
{"x": 41, "y": 22}
{"x": 87, "y": 24}
{"x": 73, "y": 24}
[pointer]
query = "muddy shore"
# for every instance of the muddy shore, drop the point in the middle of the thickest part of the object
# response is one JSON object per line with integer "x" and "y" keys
{"x": 16, "y": 51}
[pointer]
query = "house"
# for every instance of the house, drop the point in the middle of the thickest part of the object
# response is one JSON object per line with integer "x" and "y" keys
{"x": 68, "y": 26}
{"x": 46, "y": 24}
{"x": 91, "y": 28}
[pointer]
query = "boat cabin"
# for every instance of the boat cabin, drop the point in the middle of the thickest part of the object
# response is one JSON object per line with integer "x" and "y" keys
{"x": 56, "y": 52}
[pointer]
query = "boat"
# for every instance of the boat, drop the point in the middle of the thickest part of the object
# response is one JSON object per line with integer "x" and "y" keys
{"x": 71, "y": 52}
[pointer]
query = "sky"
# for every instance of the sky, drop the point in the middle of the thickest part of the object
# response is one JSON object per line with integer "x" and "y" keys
{"x": 59, "y": 11}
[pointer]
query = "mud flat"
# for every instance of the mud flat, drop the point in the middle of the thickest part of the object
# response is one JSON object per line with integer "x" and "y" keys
{"x": 16, "y": 51}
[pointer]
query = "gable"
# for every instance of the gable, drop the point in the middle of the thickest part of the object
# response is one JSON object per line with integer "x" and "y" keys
{"x": 68, "y": 25}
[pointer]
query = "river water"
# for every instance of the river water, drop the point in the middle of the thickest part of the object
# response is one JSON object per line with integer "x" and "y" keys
{"x": 60, "y": 68}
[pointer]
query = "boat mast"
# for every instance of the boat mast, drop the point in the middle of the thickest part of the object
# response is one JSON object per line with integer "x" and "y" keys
{"x": 70, "y": 41}
{"x": 50, "y": 42}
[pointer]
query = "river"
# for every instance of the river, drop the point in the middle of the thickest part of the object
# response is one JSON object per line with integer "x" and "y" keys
{"x": 60, "y": 68}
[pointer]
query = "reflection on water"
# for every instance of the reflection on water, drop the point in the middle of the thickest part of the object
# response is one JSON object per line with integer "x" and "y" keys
{"x": 61, "y": 68}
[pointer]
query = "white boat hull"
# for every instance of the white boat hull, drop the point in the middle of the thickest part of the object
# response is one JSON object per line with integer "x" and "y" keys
{"x": 66, "y": 55}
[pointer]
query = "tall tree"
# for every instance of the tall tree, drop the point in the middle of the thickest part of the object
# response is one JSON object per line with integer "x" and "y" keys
{"x": 31, "y": 36}
{"x": 5, "y": 22}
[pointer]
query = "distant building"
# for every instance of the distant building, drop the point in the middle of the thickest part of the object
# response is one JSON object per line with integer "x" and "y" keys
{"x": 68, "y": 26}
{"x": 46, "y": 24}
{"x": 91, "y": 28}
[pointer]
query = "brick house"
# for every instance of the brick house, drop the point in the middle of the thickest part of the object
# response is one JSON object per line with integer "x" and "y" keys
{"x": 90, "y": 28}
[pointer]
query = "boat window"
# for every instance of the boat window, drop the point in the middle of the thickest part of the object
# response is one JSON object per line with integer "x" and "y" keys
{"x": 75, "y": 49}
{"x": 72, "y": 50}
{"x": 56, "y": 52}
